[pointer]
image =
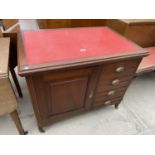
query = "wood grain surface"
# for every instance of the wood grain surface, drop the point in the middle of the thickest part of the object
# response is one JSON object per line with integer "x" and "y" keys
{"x": 4, "y": 56}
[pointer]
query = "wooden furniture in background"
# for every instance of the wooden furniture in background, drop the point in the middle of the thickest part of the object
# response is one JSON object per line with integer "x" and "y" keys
{"x": 148, "y": 63}
{"x": 13, "y": 54}
{"x": 74, "y": 70}
{"x": 8, "y": 101}
{"x": 7, "y": 23}
{"x": 68, "y": 23}
{"x": 140, "y": 31}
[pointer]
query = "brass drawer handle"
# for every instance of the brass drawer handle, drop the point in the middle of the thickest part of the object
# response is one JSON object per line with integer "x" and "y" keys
{"x": 120, "y": 69}
{"x": 115, "y": 82}
{"x": 107, "y": 102}
{"x": 112, "y": 92}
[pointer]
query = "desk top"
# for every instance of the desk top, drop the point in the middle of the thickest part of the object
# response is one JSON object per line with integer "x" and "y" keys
{"x": 4, "y": 56}
{"x": 73, "y": 45}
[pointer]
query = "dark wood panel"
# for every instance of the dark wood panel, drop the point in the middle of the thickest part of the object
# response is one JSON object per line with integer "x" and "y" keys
{"x": 57, "y": 23}
{"x": 67, "y": 95}
{"x": 64, "y": 92}
{"x": 103, "y": 88}
{"x": 98, "y": 22}
{"x": 80, "y": 22}
{"x": 117, "y": 25}
{"x": 66, "y": 23}
{"x": 143, "y": 35}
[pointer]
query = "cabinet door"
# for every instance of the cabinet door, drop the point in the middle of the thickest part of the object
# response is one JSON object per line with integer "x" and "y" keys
{"x": 61, "y": 92}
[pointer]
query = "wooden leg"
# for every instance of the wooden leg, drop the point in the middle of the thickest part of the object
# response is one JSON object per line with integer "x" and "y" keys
{"x": 135, "y": 76}
{"x": 16, "y": 119}
{"x": 16, "y": 82}
{"x": 116, "y": 106}
{"x": 41, "y": 129}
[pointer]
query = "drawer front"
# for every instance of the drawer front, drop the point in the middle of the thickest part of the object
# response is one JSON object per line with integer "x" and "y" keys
{"x": 107, "y": 102}
{"x": 110, "y": 94}
{"x": 103, "y": 88}
{"x": 114, "y": 80}
{"x": 119, "y": 69}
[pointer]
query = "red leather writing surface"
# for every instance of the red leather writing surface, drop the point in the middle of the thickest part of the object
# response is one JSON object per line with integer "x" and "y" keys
{"x": 148, "y": 61}
{"x": 71, "y": 44}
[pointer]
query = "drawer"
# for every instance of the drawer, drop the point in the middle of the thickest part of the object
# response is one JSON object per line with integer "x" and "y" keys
{"x": 121, "y": 68}
{"x": 100, "y": 97}
{"x": 102, "y": 88}
{"x": 81, "y": 22}
{"x": 113, "y": 81}
{"x": 111, "y": 93}
{"x": 107, "y": 101}
{"x": 116, "y": 75}
{"x": 113, "y": 84}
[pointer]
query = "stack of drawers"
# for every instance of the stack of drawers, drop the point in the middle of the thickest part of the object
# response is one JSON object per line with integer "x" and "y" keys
{"x": 114, "y": 80}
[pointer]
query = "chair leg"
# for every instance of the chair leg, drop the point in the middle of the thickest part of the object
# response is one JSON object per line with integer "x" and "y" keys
{"x": 16, "y": 119}
{"x": 16, "y": 82}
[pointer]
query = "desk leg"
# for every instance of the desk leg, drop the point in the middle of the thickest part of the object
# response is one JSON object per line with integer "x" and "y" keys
{"x": 16, "y": 82}
{"x": 16, "y": 119}
{"x": 116, "y": 106}
{"x": 41, "y": 129}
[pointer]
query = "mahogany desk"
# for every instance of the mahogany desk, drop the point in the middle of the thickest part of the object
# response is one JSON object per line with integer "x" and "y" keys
{"x": 77, "y": 69}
